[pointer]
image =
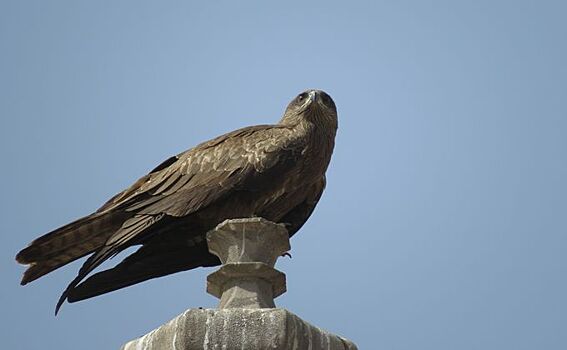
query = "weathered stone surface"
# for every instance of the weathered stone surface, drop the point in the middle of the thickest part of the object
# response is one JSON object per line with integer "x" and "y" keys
{"x": 228, "y": 329}
{"x": 246, "y": 284}
{"x": 248, "y": 240}
{"x": 248, "y": 249}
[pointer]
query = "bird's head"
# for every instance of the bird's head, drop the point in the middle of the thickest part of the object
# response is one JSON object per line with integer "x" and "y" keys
{"x": 314, "y": 106}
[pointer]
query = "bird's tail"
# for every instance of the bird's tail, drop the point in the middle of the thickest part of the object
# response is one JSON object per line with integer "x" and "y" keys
{"x": 67, "y": 243}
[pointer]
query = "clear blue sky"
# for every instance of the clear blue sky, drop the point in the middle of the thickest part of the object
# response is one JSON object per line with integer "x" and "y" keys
{"x": 444, "y": 223}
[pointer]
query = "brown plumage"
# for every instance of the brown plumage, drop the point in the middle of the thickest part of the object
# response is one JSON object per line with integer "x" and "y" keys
{"x": 272, "y": 171}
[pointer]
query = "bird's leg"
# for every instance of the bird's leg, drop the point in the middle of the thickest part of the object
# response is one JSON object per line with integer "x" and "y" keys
{"x": 287, "y": 226}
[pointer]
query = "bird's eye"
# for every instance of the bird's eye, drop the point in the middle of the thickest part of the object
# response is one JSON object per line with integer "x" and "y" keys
{"x": 301, "y": 97}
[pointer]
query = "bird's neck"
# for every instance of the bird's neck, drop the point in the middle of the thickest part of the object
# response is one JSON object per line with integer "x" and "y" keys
{"x": 320, "y": 141}
{"x": 315, "y": 126}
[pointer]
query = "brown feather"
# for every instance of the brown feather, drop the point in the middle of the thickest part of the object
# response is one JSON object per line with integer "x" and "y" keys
{"x": 150, "y": 261}
{"x": 275, "y": 171}
{"x": 67, "y": 244}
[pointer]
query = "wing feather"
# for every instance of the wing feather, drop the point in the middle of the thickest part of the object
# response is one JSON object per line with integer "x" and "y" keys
{"x": 245, "y": 159}
{"x": 115, "y": 244}
{"x": 212, "y": 170}
{"x": 149, "y": 261}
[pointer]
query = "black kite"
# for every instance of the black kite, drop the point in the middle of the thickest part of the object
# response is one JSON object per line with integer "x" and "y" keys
{"x": 272, "y": 171}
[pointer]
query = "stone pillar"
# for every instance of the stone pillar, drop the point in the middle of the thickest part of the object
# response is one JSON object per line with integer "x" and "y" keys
{"x": 246, "y": 284}
{"x": 248, "y": 249}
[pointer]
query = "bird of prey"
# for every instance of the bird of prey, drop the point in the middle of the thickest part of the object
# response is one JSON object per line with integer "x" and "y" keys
{"x": 272, "y": 171}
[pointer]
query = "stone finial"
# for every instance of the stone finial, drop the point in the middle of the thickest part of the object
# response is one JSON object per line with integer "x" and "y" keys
{"x": 246, "y": 284}
{"x": 248, "y": 249}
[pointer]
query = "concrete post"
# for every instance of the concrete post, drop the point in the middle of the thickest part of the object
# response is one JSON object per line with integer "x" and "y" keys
{"x": 246, "y": 284}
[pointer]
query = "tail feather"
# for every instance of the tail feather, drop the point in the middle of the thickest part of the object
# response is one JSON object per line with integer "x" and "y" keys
{"x": 68, "y": 243}
{"x": 37, "y": 270}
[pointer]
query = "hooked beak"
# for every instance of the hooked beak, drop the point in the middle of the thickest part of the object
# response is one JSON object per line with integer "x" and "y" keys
{"x": 313, "y": 96}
